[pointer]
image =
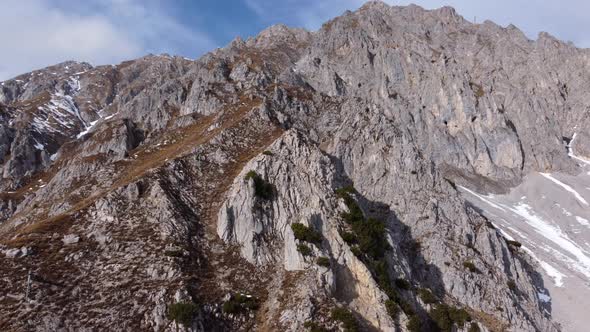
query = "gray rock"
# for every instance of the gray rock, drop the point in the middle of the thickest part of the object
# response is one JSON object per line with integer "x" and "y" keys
{"x": 146, "y": 161}
{"x": 70, "y": 239}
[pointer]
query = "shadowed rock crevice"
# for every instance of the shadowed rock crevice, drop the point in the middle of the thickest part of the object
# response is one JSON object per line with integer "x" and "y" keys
{"x": 406, "y": 264}
{"x": 127, "y": 184}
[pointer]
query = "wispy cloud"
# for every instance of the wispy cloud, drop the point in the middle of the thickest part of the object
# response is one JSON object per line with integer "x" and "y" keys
{"x": 309, "y": 14}
{"x": 38, "y": 33}
{"x": 153, "y": 23}
{"x": 257, "y": 6}
{"x": 567, "y": 19}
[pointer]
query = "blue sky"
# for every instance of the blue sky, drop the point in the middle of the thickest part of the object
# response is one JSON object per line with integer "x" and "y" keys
{"x": 37, "y": 33}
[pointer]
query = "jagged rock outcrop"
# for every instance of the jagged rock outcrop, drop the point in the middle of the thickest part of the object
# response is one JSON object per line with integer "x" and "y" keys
{"x": 303, "y": 180}
{"x": 164, "y": 193}
{"x": 475, "y": 118}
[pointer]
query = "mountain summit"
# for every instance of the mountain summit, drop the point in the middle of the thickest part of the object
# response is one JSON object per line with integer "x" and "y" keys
{"x": 343, "y": 179}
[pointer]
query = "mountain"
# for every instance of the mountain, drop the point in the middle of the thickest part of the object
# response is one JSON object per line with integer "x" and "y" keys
{"x": 367, "y": 176}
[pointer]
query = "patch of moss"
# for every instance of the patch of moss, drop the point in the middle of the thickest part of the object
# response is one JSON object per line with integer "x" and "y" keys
{"x": 251, "y": 175}
{"x": 345, "y": 191}
{"x": 182, "y": 312}
{"x": 473, "y": 327}
{"x": 346, "y": 318}
{"x": 402, "y": 284}
{"x": 356, "y": 251}
{"x": 239, "y": 303}
{"x": 406, "y": 307}
{"x": 304, "y": 249}
{"x": 305, "y": 233}
{"x": 511, "y": 285}
{"x": 446, "y": 316}
{"x": 354, "y": 214}
{"x": 414, "y": 324}
{"x": 477, "y": 89}
{"x": 368, "y": 242}
{"x": 427, "y": 296}
{"x": 368, "y": 233}
{"x": 323, "y": 261}
{"x": 262, "y": 188}
{"x": 371, "y": 237}
{"x": 459, "y": 316}
{"x": 348, "y": 237}
{"x": 471, "y": 267}
{"x": 392, "y": 308}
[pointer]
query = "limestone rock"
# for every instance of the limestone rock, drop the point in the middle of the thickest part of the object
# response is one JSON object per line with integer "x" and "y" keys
{"x": 163, "y": 183}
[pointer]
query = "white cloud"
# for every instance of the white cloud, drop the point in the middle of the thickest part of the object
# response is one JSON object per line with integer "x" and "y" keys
{"x": 38, "y": 33}
{"x": 257, "y": 6}
{"x": 148, "y": 21}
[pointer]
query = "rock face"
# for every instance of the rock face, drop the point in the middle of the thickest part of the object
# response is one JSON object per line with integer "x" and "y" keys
{"x": 547, "y": 217}
{"x": 292, "y": 181}
{"x": 304, "y": 180}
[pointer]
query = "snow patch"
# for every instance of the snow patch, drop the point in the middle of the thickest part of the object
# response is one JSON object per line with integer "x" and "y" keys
{"x": 87, "y": 130}
{"x": 582, "y": 221}
{"x": 571, "y": 153}
{"x": 555, "y": 235}
{"x": 550, "y": 270}
{"x": 566, "y": 212}
{"x": 39, "y": 146}
{"x": 563, "y": 250}
{"x": 486, "y": 199}
{"x": 61, "y": 112}
{"x": 566, "y": 187}
{"x": 70, "y": 239}
{"x": 553, "y": 273}
{"x": 544, "y": 297}
{"x": 93, "y": 123}
{"x": 522, "y": 236}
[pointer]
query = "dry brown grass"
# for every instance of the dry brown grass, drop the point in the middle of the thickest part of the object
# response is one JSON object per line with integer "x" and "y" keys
{"x": 32, "y": 104}
{"x": 145, "y": 159}
{"x": 234, "y": 121}
{"x": 45, "y": 234}
{"x": 38, "y": 233}
{"x": 489, "y": 321}
{"x": 477, "y": 89}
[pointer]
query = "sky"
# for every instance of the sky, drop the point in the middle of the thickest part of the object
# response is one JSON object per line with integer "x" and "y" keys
{"x": 38, "y": 33}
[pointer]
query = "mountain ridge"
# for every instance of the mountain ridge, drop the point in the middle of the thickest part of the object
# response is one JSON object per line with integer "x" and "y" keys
{"x": 130, "y": 190}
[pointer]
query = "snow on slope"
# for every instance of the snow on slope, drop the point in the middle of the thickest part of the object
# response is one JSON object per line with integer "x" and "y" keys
{"x": 566, "y": 187}
{"x": 60, "y": 114}
{"x": 571, "y": 153}
{"x": 549, "y": 215}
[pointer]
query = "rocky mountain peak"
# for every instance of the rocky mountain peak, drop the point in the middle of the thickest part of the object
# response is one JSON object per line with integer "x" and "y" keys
{"x": 281, "y": 31}
{"x": 294, "y": 181}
